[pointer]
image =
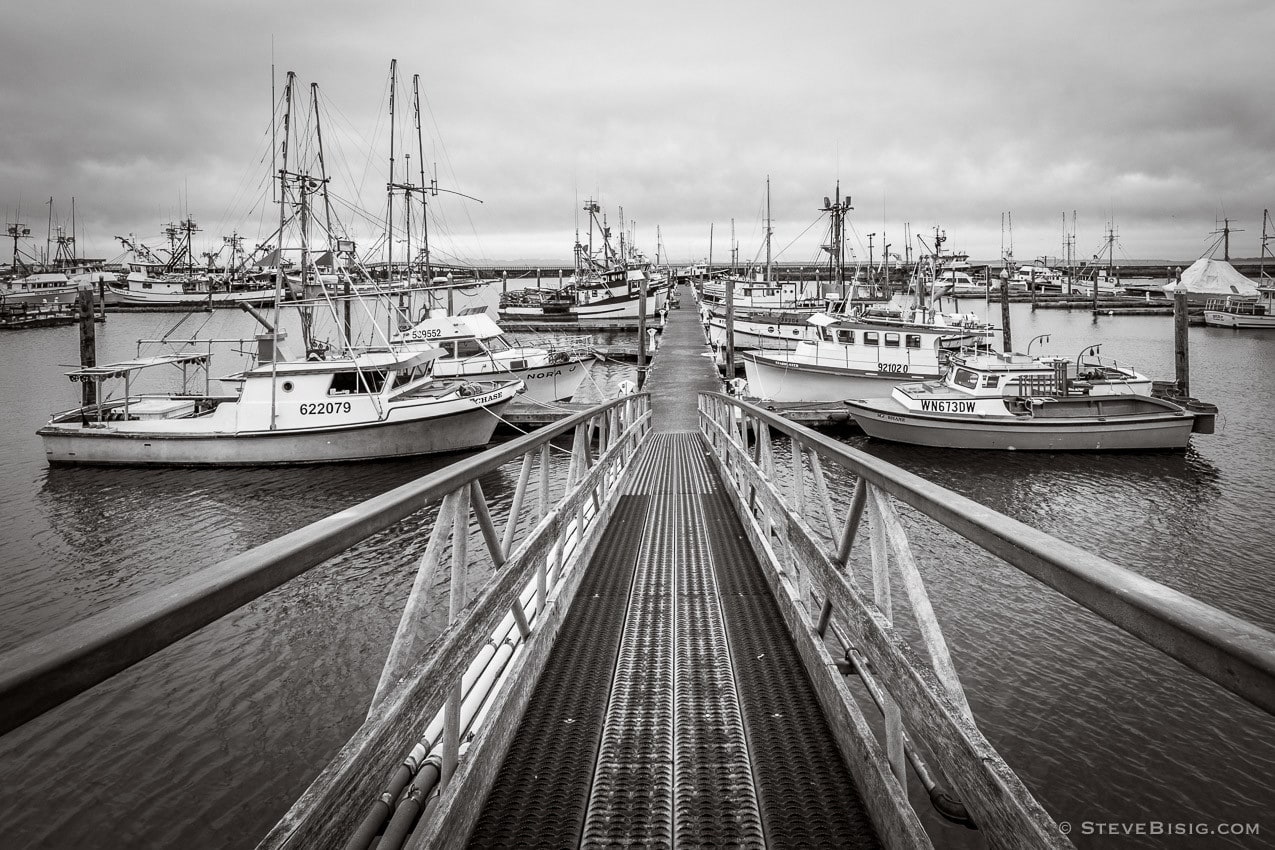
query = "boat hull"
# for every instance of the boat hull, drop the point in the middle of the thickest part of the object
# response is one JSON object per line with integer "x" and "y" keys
{"x": 119, "y": 297}
{"x": 545, "y": 384}
{"x": 885, "y": 419}
{"x": 1223, "y": 319}
{"x": 467, "y": 428}
{"x": 780, "y": 381}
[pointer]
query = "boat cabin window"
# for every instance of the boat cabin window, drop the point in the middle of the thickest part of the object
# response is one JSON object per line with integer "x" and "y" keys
{"x": 498, "y": 343}
{"x": 466, "y": 348}
{"x": 406, "y": 376}
{"x": 891, "y": 340}
{"x": 990, "y": 381}
{"x": 871, "y": 338}
{"x": 913, "y": 340}
{"x": 845, "y": 337}
{"x": 354, "y": 382}
{"x": 965, "y": 378}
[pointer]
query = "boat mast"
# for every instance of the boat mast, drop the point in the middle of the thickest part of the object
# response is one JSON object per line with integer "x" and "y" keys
{"x": 769, "y": 277}
{"x": 430, "y": 189}
{"x": 1261, "y": 260}
{"x": 278, "y": 286}
{"x": 389, "y": 214}
{"x": 18, "y": 231}
{"x": 327, "y": 211}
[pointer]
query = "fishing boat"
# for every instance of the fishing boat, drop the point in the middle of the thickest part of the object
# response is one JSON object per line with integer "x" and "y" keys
{"x": 1017, "y": 402}
{"x": 365, "y": 406}
{"x": 854, "y": 355}
{"x": 608, "y": 286}
{"x": 475, "y": 347}
{"x": 1037, "y": 277}
{"x": 344, "y": 401}
{"x": 175, "y": 282}
{"x": 773, "y": 316}
{"x": 52, "y": 280}
{"x": 1248, "y": 311}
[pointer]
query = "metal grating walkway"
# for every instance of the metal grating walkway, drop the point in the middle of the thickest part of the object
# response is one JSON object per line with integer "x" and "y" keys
{"x": 673, "y": 712}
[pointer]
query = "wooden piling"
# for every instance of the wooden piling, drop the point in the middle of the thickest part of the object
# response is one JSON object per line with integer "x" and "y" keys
{"x": 1008, "y": 343}
{"x": 88, "y": 343}
{"x": 730, "y": 330}
{"x": 641, "y": 375}
{"x": 1181, "y": 352}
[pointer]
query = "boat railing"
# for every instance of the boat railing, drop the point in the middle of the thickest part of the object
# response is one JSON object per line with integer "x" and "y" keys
{"x": 566, "y": 347}
{"x": 784, "y": 479}
{"x": 1240, "y": 306}
{"x": 435, "y": 686}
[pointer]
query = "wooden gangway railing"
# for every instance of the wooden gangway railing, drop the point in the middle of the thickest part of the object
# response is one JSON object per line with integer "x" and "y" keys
{"x": 781, "y": 474}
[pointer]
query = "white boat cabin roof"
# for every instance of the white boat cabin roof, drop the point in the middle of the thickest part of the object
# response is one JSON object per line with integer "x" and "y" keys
{"x": 995, "y": 361}
{"x": 127, "y": 367}
{"x": 448, "y": 328}
{"x": 396, "y": 359}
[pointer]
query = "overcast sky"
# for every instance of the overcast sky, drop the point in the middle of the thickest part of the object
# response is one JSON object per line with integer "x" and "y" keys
{"x": 1155, "y": 115}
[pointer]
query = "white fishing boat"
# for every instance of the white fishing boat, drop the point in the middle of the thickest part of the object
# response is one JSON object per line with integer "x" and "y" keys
{"x": 175, "y": 282}
{"x": 1037, "y": 277}
{"x": 56, "y": 279}
{"x": 853, "y": 356}
{"x": 1233, "y": 312}
{"x": 475, "y": 347}
{"x": 366, "y": 406}
{"x": 342, "y": 401}
{"x": 1017, "y": 402}
{"x": 1247, "y": 311}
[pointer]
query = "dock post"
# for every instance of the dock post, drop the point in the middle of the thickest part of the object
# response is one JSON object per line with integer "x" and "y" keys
{"x": 641, "y": 376}
{"x": 1033, "y": 286}
{"x": 730, "y": 329}
{"x": 1181, "y": 352}
{"x": 88, "y": 343}
{"x": 1005, "y": 334}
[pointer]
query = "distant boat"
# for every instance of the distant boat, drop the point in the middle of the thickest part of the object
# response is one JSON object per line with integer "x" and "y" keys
{"x": 52, "y": 280}
{"x": 607, "y": 286}
{"x": 1240, "y": 311}
{"x": 1208, "y": 280}
{"x": 175, "y": 282}
{"x": 1017, "y": 402}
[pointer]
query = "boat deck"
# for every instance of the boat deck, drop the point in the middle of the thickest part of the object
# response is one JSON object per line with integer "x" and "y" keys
{"x": 674, "y": 710}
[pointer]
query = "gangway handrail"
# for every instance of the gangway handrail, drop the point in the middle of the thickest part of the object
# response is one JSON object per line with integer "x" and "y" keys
{"x": 792, "y": 524}
{"x": 1224, "y": 648}
{"x": 49, "y": 670}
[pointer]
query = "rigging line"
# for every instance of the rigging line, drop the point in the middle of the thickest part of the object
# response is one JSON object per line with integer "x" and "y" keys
{"x": 798, "y": 236}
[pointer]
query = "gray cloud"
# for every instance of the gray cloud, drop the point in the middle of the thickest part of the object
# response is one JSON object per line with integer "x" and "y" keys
{"x": 1151, "y": 115}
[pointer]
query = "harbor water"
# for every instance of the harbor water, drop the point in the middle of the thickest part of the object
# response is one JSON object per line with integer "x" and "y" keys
{"x": 207, "y": 743}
